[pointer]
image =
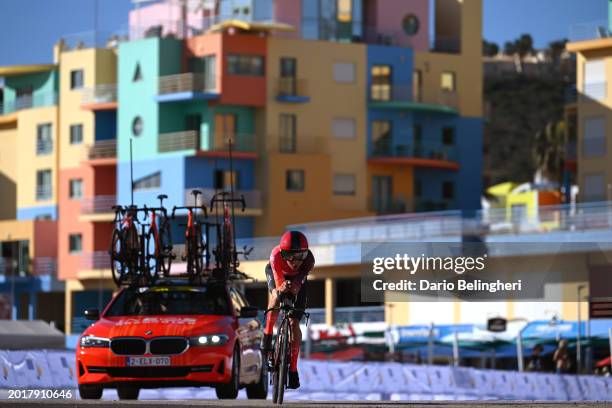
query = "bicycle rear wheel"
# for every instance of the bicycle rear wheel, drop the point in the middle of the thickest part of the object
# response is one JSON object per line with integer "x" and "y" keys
{"x": 153, "y": 261}
{"x": 280, "y": 375}
{"x": 116, "y": 257}
{"x": 165, "y": 250}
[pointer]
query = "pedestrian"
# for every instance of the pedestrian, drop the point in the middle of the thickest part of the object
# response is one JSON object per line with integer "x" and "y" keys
{"x": 561, "y": 358}
{"x": 535, "y": 361}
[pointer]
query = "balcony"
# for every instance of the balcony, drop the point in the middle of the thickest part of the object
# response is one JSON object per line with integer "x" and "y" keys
{"x": 398, "y": 205}
{"x": 292, "y": 90}
{"x": 101, "y": 97}
{"x": 44, "y": 266}
{"x": 178, "y": 141}
{"x": 44, "y": 192}
{"x": 415, "y": 154}
{"x": 186, "y": 87}
{"x": 101, "y": 204}
{"x": 405, "y": 97}
{"x": 243, "y": 144}
{"x": 252, "y": 199}
{"x": 302, "y": 145}
{"x": 102, "y": 150}
{"x": 44, "y": 147}
{"x": 95, "y": 260}
{"x": 36, "y": 100}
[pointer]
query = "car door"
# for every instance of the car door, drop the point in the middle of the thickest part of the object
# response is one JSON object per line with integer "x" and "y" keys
{"x": 249, "y": 335}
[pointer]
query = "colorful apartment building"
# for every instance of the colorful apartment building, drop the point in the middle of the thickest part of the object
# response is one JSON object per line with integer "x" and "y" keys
{"x": 333, "y": 109}
{"x": 592, "y": 112}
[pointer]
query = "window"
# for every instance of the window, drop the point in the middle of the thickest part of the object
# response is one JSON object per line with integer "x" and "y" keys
{"x": 137, "y": 74}
{"x": 344, "y": 13}
{"x": 210, "y": 69}
{"x": 137, "y": 126}
{"x": 344, "y": 128}
{"x": 43, "y": 184}
{"x": 287, "y": 142}
{"x": 224, "y": 179}
{"x": 245, "y": 65}
{"x": 448, "y": 82}
{"x": 76, "y": 189}
{"x": 75, "y": 243}
{"x": 448, "y": 190}
{"x": 344, "y": 184}
{"x": 295, "y": 180}
{"x": 594, "y": 187}
{"x": 23, "y": 97}
{"x": 76, "y": 134}
{"x": 344, "y": 72}
{"x": 381, "y": 83}
{"x": 410, "y": 24}
{"x": 44, "y": 139}
{"x": 448, "y": 136}
{"x": 381, "y": 136}
{"x": 76, "y": 79}
{"x": 594, "y": 143}
{"x": 595, "y": 79}
{"x": 148, "y": 182}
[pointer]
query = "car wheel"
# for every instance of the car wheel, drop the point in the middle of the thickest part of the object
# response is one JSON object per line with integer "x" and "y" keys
{"x": 259, "y": 390}
{"x": 128, "y": 393}
{"x": 90, "y": 391}
{"x": 230, "y": 390}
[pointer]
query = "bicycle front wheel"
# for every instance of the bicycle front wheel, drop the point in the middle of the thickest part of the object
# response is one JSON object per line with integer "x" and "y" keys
{"x": 282, "y": 369}
{"x": 165, "y": 250}
{"x": 116, "y": 258}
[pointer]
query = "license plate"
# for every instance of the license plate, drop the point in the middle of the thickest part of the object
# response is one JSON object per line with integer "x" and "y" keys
{"x": 148, "y": 361}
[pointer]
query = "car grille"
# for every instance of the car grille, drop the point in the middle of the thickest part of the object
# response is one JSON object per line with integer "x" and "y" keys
{"x": 165, "y": 346}
{"x": 150, "y": 372}
{"x": 128, "y": 347}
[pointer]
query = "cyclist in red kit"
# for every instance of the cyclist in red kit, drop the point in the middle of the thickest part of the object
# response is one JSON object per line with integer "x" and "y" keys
{"x": 290, "y": 263}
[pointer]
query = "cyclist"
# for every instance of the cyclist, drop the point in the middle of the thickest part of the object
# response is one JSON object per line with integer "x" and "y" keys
{"x": 290, "y": 263}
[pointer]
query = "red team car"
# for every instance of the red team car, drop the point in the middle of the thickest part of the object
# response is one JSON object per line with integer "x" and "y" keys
{"x": 172, "y": 335}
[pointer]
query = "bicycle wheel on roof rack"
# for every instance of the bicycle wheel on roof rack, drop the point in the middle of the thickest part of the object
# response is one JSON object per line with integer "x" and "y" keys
{"x": 116, "y": 258}
{"x": 165, "y": 250}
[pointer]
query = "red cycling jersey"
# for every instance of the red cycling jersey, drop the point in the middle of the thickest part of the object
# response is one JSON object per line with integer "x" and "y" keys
{"x": 282, "y": 271}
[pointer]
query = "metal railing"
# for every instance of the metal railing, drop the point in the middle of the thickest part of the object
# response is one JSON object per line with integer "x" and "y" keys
{"x": 44, "y": 192}
{"x": 186, "y": 82}
{"x": 103, "y": 93}
{"x": 177, "y": 141}
{"x": 95, "y": 260}
{"x": 357, "y": 314}
{"x": 416, "y": 150}
{"x": 302, "y": 144}
{"x": 98, "y": 205}
{"x": 102, "y": 149}
{"x": 92, "y": 39}
{"x": 291, "y": 87}
{"x": 44, "y": 147}
{"x": 36, "y": 100}
{"x": 241, "y": 142}
{"x": 252, "y": 198}
{"x": 399, "y": 205}
{"x": 44, "y": 266}
{"x": 402, "y": 93}
{"x": 589, "y": 30}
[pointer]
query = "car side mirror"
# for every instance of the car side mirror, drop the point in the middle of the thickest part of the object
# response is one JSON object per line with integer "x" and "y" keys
{"x": 92, "y": 314}
{"x": 248, "y": 311}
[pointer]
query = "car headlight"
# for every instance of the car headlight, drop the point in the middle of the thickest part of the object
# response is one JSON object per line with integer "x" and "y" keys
{"x": 93, "y": 341}
{"x": 209, "y": 340}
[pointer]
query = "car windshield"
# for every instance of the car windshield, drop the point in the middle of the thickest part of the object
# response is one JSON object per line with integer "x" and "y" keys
{"x": 171, "y": 301}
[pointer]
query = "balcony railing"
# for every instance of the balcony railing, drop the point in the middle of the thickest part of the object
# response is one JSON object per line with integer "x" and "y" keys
{"x": 37, "y": 100}
{"x": 403, "y": 93}
{"x": 415, "y": 150}
{"x": 102, "y": 149}
{"x": 95, "y": 260}
{"x": 44, "y": 266}
{"x": 44, "y": 147}
{"x": 187, "y": 82}
{"x": 44, "y": 192}
{"x": 399, "y": 204}
{"x": 589, "y": 30}
{"x": 292, "y": 90}
{"x": 302, "y": 144}
{"x": 241, "y": 142}
{"x": 177, "y": 141}
{"x": 252, "y": 198}
{"x": 103, "y": 93}
{"x": 98, "y": 205}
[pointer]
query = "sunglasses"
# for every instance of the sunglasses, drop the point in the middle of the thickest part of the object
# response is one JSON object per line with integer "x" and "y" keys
{"x": 294, "y": 255}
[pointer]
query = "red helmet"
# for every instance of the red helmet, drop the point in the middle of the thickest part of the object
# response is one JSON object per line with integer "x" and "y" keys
{"x": 293, "y": 244}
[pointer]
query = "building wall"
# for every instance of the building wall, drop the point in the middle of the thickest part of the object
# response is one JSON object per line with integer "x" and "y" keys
{"x": 29, "y": 162}
{"x": 44, "y": 86}
{"x": 8, "y": 171}
{"x": 389, "y": 15}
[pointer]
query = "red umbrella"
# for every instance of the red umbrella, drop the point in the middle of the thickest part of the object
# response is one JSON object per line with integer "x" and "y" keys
{"x": 603, "y": 363}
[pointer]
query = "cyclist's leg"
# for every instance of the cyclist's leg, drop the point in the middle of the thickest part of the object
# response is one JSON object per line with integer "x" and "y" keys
{"x": 271, "y": 318}
{"x": 295, "y": 318}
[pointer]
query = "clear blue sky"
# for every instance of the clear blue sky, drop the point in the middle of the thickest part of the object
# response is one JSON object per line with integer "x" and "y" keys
{"x": 29, "y": 28}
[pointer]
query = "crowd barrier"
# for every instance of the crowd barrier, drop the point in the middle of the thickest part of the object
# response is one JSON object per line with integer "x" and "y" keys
{"x": 44, "y": 369}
